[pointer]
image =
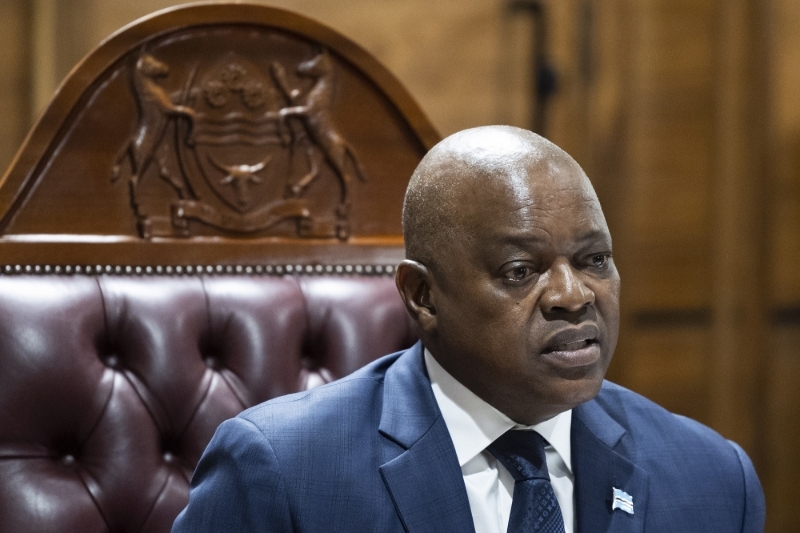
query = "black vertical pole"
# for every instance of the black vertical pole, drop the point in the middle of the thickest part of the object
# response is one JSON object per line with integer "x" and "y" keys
{"x": 544, "y": 81}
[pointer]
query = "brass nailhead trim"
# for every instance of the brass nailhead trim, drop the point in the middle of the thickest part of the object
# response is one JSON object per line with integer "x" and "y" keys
{"x": 179, "y": 270}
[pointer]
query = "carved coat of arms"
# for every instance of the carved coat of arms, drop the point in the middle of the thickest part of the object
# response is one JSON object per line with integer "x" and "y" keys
{"x": 240, "y": 133}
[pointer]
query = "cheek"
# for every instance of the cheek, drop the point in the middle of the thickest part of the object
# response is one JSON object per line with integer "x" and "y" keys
{"x": 608, "y": 299}
{"x": 607, "y": 302}
{"x": 486, "y": 319}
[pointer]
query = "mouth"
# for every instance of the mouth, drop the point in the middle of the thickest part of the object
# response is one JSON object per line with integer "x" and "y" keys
{"x": 573, "y": 348}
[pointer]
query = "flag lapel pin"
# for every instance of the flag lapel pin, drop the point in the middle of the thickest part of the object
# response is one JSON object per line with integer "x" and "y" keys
{"x": 622, "y": 500}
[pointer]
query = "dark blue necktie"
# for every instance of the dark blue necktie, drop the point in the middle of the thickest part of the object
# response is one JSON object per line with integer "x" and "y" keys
{"x": 534, "y": 506}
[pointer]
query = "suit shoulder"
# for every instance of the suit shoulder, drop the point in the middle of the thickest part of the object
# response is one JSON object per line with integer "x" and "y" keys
{"x": 353, "y": 396}
{"x": 652, "y": 429}
{"x": 630, "y": 409}
{"x": 672, "y": 449}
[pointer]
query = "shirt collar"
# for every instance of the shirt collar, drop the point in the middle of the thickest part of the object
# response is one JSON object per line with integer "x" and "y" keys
{"x": 473, "y": 424}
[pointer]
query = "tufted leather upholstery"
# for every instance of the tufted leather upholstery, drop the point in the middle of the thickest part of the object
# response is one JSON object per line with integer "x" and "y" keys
{"x": 111, "y": 387}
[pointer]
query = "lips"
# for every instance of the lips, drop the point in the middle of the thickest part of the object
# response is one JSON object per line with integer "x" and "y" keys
{"x": 573, "y": 347}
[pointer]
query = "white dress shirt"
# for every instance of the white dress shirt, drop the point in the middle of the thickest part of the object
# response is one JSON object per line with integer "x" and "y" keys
{"x": 473, "y": 424}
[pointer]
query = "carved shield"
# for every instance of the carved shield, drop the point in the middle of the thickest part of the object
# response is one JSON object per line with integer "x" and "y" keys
{"x": 237, "y": 146}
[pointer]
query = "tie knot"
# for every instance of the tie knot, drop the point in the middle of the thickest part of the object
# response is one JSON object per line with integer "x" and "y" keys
{"x": 522, "y": 453}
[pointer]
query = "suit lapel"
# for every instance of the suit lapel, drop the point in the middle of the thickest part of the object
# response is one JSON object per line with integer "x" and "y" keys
{"x": 598, "y": 469}
{"x": 424, "y": 479}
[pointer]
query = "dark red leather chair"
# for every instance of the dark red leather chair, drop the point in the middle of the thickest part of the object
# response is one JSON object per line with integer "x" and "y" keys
{"x": 111, "y": 386}
{"x": 144, "y": 299}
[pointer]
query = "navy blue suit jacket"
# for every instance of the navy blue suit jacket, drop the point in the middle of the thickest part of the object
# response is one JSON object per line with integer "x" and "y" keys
{"x": 371, "y": 452}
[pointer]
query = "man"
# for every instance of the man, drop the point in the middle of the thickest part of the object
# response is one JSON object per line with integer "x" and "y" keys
{"x": 500, "y": 419}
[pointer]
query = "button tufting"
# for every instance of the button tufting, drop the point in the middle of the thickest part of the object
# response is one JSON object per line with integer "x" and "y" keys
{"x": 160, "y": 362}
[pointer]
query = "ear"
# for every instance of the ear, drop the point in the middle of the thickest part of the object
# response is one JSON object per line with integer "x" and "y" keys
{"x": 414, "y": 281}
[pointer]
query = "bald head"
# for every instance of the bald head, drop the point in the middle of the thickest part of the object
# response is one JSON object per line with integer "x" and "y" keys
{"x": 456, "y": 174}
{"x": 509, "y": 273}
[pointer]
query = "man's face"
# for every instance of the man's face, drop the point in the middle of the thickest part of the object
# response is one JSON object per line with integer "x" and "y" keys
{"x": 526, "y": 297}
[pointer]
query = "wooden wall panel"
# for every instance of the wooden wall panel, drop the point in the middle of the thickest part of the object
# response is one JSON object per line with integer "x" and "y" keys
{"x": 671, "y": 365}
{"x": 785, "y": 222}
{"x": 608, "y": 94}
{"x": 670, "y": 156}
{"x": 15, "y": 84}
{"x": 782, "y": 392}
{"x": 783, "y": 431}
{"x": 567, "y": 107}
{"x": 738, "y": 207}
{"x": 785, "y": 153}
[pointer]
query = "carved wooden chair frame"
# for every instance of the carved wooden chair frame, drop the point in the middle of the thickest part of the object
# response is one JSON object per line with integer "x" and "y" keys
{"x": 216, "y": 138}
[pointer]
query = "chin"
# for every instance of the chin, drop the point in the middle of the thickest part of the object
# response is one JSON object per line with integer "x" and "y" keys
{"x": 569, "y": 393}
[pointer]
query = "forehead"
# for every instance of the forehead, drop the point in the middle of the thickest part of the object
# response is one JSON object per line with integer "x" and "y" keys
{"x": 539, "y": 202}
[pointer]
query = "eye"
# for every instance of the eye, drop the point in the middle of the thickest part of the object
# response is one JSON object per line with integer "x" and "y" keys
{"x": 520, "y": 273}
{"x": 517, "y": 274}
{"x": 600, "y": 261}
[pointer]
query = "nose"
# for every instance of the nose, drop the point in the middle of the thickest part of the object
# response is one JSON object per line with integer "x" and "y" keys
{"x": 565, "y": 292}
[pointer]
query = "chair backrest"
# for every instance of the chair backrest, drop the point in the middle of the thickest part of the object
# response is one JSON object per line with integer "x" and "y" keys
{"x": 207, "y": 216}
{"x": 111, "y": 386}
